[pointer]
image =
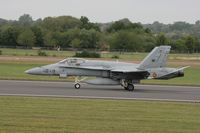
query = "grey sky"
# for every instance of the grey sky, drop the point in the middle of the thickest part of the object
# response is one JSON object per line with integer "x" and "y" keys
{"x": 145, "y": 11}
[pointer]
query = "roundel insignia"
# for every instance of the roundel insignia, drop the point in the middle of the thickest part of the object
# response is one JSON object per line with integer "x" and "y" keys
{"x": 154, "y": 75}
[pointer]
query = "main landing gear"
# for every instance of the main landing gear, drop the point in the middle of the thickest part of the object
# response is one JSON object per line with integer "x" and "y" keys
{"x": 128, "y": 85}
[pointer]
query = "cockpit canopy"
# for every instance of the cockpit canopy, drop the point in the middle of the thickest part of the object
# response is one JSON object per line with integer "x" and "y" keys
{"x": 73, "y": 61}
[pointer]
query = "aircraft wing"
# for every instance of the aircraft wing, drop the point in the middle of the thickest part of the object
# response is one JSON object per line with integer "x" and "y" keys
{"x": 132, "y": 73}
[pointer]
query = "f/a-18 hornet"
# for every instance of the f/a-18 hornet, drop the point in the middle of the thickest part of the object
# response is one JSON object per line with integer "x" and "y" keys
{"x": 113, "y": 72}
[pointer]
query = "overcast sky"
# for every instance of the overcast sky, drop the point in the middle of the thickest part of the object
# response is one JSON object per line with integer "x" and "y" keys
{"x": 145, "y": 11}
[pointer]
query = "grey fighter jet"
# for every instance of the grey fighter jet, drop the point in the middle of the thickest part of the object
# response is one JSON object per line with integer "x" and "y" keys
{"x": 113, "y": 72}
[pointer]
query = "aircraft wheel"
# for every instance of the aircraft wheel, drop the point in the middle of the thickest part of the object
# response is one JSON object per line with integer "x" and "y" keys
{"x": 77, "y": 86}
{"x": 130, "y": 87}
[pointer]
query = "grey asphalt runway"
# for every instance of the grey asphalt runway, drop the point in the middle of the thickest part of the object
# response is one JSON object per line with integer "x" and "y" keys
{"x": 66, "y": 89}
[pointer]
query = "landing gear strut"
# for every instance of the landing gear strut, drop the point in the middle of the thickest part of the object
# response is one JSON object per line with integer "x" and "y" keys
{"x": 77, "y": 82}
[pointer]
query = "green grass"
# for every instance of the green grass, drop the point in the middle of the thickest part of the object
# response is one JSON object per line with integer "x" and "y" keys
{"x": 123, "y": 56}
{"x": 60, "y": 115}
{"x": 16, "y": 71}
{"x": 30, "y": 52}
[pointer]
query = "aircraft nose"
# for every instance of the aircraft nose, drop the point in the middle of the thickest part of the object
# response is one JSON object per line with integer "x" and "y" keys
{"x": 180, "y": 73}
{"x": 36, "y": 70}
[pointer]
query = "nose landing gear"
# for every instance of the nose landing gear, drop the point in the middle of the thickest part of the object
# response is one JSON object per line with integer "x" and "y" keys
{"x": 78, "y": 79}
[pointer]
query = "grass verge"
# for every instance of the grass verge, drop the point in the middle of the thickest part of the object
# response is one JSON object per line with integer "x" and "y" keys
{"x": 60, "y": 115}
{"x": 123, "y": 56}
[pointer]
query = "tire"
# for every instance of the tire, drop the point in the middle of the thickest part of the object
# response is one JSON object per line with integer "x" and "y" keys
{"x": 130, "y": 87}
{"x": 77, "y": 86}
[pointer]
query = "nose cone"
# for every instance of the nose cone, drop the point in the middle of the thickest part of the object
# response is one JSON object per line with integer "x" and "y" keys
{"x": 180, "y": 73}
{"x": 34, "y": 71}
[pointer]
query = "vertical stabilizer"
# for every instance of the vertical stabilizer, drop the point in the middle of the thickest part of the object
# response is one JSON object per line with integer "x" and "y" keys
{"x": 156, "y": 58}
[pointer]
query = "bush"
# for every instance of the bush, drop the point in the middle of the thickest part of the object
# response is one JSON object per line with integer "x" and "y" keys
{"x": 115, "y": 57}
{"x": 42, "y": 53}
{"x": 87, "y": 54}
{"x": 0, "y": 52}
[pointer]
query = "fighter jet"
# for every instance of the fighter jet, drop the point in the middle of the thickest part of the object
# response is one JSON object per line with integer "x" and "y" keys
{"x": 113, "y": 72}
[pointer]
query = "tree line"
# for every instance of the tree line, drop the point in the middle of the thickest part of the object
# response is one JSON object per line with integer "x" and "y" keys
{"x": 71, "y": 32}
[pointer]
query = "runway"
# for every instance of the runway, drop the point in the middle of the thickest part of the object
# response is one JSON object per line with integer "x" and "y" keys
{"x": 66, "y": 89}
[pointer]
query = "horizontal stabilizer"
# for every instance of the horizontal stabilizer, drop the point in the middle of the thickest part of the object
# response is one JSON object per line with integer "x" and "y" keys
{"x": 176, "y": 73}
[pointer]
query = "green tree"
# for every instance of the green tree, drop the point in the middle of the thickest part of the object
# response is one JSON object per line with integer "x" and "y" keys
{"x": 149, "y": 42}
{"x": 9, "y": 36}
{"x": 125, "y": 40}
{"x": 84, "y": 21}
{"x": 76, "y": 43}
{"x": 197, "y": 45}
{"x": 62, "y": 39}
{"x": 60, "y": 24}
{"x": 180, "y": 46}
{"x": 147, "y": 30}
{"x": 118, "y": 25}
{"x": 180, "y": 26}
{"x": 190, "y": 43}
{"x": 124, "y": 25}
{"x": 49, "y": 40}
{"x": 25, "y": 20}
{"x": 26, "y": 38}
{"x": 1, "y": 39}
{"x": 89, "y": 38}
{"x": 161, "y": 40}
{"x": 86, "y": 24}
{"x": 39, "y": 39}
